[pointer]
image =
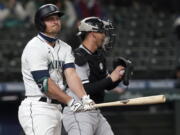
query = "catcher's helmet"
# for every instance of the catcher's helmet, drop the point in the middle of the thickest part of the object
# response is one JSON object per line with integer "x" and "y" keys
{"x": 95, "y": 24}
{"x": 45, "y": 11}
{"x": 90, "y": 24}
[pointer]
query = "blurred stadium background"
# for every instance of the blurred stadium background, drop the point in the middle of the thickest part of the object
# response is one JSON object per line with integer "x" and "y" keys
{"x": 147, "y": 33}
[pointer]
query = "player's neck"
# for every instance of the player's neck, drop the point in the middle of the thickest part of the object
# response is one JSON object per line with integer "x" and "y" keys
{"x": 90, "y": 45}
{"x": 50, "y": 40}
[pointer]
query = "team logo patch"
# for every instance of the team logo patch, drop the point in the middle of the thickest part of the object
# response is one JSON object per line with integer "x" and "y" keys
{"x": 101, "y": 66}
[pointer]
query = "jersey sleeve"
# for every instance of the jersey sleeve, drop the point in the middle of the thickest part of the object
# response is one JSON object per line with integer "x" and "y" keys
{"x": 69, "y": 59}
{"x": 37, "y": 58}
{"x": 69, "y": 56}
{"x": 83, "y": 72}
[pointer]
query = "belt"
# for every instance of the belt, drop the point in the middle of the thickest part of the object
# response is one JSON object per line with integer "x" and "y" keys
{"x": 53, "y": 101}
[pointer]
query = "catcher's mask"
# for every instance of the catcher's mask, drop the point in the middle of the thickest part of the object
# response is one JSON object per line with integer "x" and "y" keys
{"x": 43, "y": 12}
{"x": 95, "y": 24}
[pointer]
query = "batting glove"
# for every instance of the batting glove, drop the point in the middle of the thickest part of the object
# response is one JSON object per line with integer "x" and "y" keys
{"x": 87, "y": 103}
{"x": 75, "y": 107}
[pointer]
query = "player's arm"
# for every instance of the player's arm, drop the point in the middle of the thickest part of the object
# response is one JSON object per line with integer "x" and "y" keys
{"x": 48, "y": 86}
{"x": 74, "y": 82}
{"x": 50, "y": 89}
{"x": 72, "y": 78}
{"x": 76, "y": 86}
{"x": 106, "y": 83}
{"x": 116, "y": 77}
{"x": 92, "y": 88}
{"x": 55, "y": 92}
{"x": 109, "y": 82}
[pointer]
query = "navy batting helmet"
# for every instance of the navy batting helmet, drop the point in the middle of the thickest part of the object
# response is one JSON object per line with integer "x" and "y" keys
{"x": 45, "y": 11}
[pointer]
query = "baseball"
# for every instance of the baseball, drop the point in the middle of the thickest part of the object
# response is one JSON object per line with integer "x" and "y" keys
{"x": 122, "y": 72}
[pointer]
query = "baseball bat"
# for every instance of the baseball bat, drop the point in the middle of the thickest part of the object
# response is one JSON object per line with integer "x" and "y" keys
{"x": 134, "y": 101}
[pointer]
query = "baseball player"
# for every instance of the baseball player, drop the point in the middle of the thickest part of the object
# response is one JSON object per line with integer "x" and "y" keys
{"x": 90, "y": 66}
{"x": 46, "y": 63}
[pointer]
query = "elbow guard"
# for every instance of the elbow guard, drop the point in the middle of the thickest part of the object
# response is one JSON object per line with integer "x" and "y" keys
{"x": 41, "y": 78}
{"x": 43, "y": 84}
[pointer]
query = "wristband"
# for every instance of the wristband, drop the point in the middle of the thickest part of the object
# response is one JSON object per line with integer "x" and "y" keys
{"x": 70, "y": 102}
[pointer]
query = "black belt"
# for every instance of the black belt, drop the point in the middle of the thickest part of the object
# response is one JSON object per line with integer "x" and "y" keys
{"x": 53, "y": 101}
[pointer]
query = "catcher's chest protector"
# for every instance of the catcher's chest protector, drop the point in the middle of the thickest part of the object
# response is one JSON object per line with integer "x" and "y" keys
{"x": 96, "y": 61}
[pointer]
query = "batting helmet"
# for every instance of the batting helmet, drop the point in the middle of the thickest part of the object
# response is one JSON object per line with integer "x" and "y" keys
{"x": 45, "y": 11}
{"x": 95, "y": 24}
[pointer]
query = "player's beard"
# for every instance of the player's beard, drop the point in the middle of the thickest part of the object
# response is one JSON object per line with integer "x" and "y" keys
{"x": 55, "y": 30}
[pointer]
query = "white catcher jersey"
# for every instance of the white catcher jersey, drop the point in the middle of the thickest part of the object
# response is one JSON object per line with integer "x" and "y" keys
{"x": 38, "y": 55}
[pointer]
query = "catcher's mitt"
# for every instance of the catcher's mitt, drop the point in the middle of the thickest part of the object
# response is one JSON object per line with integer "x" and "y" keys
{"x": 120, "y": 61}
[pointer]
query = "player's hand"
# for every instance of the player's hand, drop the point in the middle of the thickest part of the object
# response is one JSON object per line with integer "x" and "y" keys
{"x": 87, "y": 103}
{"x": 117, "y": 73}
{"x": 75, "y": 107}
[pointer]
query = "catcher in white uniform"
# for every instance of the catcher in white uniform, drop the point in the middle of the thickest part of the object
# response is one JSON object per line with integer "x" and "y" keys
{"x": 46, "y": 63}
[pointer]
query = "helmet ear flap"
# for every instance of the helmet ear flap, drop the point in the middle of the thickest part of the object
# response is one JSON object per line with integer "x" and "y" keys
{"x": 82, "y": 35}
{"x": 42, "y": 26}
{"x": 39, "y": 23}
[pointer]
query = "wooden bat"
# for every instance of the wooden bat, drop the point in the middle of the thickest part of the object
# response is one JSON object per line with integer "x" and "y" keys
{"x": 134, "y": 101}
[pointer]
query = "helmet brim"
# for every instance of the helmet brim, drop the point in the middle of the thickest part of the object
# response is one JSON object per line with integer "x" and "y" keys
{"x": 60, "y": 14}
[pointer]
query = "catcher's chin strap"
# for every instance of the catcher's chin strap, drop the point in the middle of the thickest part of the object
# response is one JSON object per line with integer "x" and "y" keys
{"x": 120, "y": 61}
